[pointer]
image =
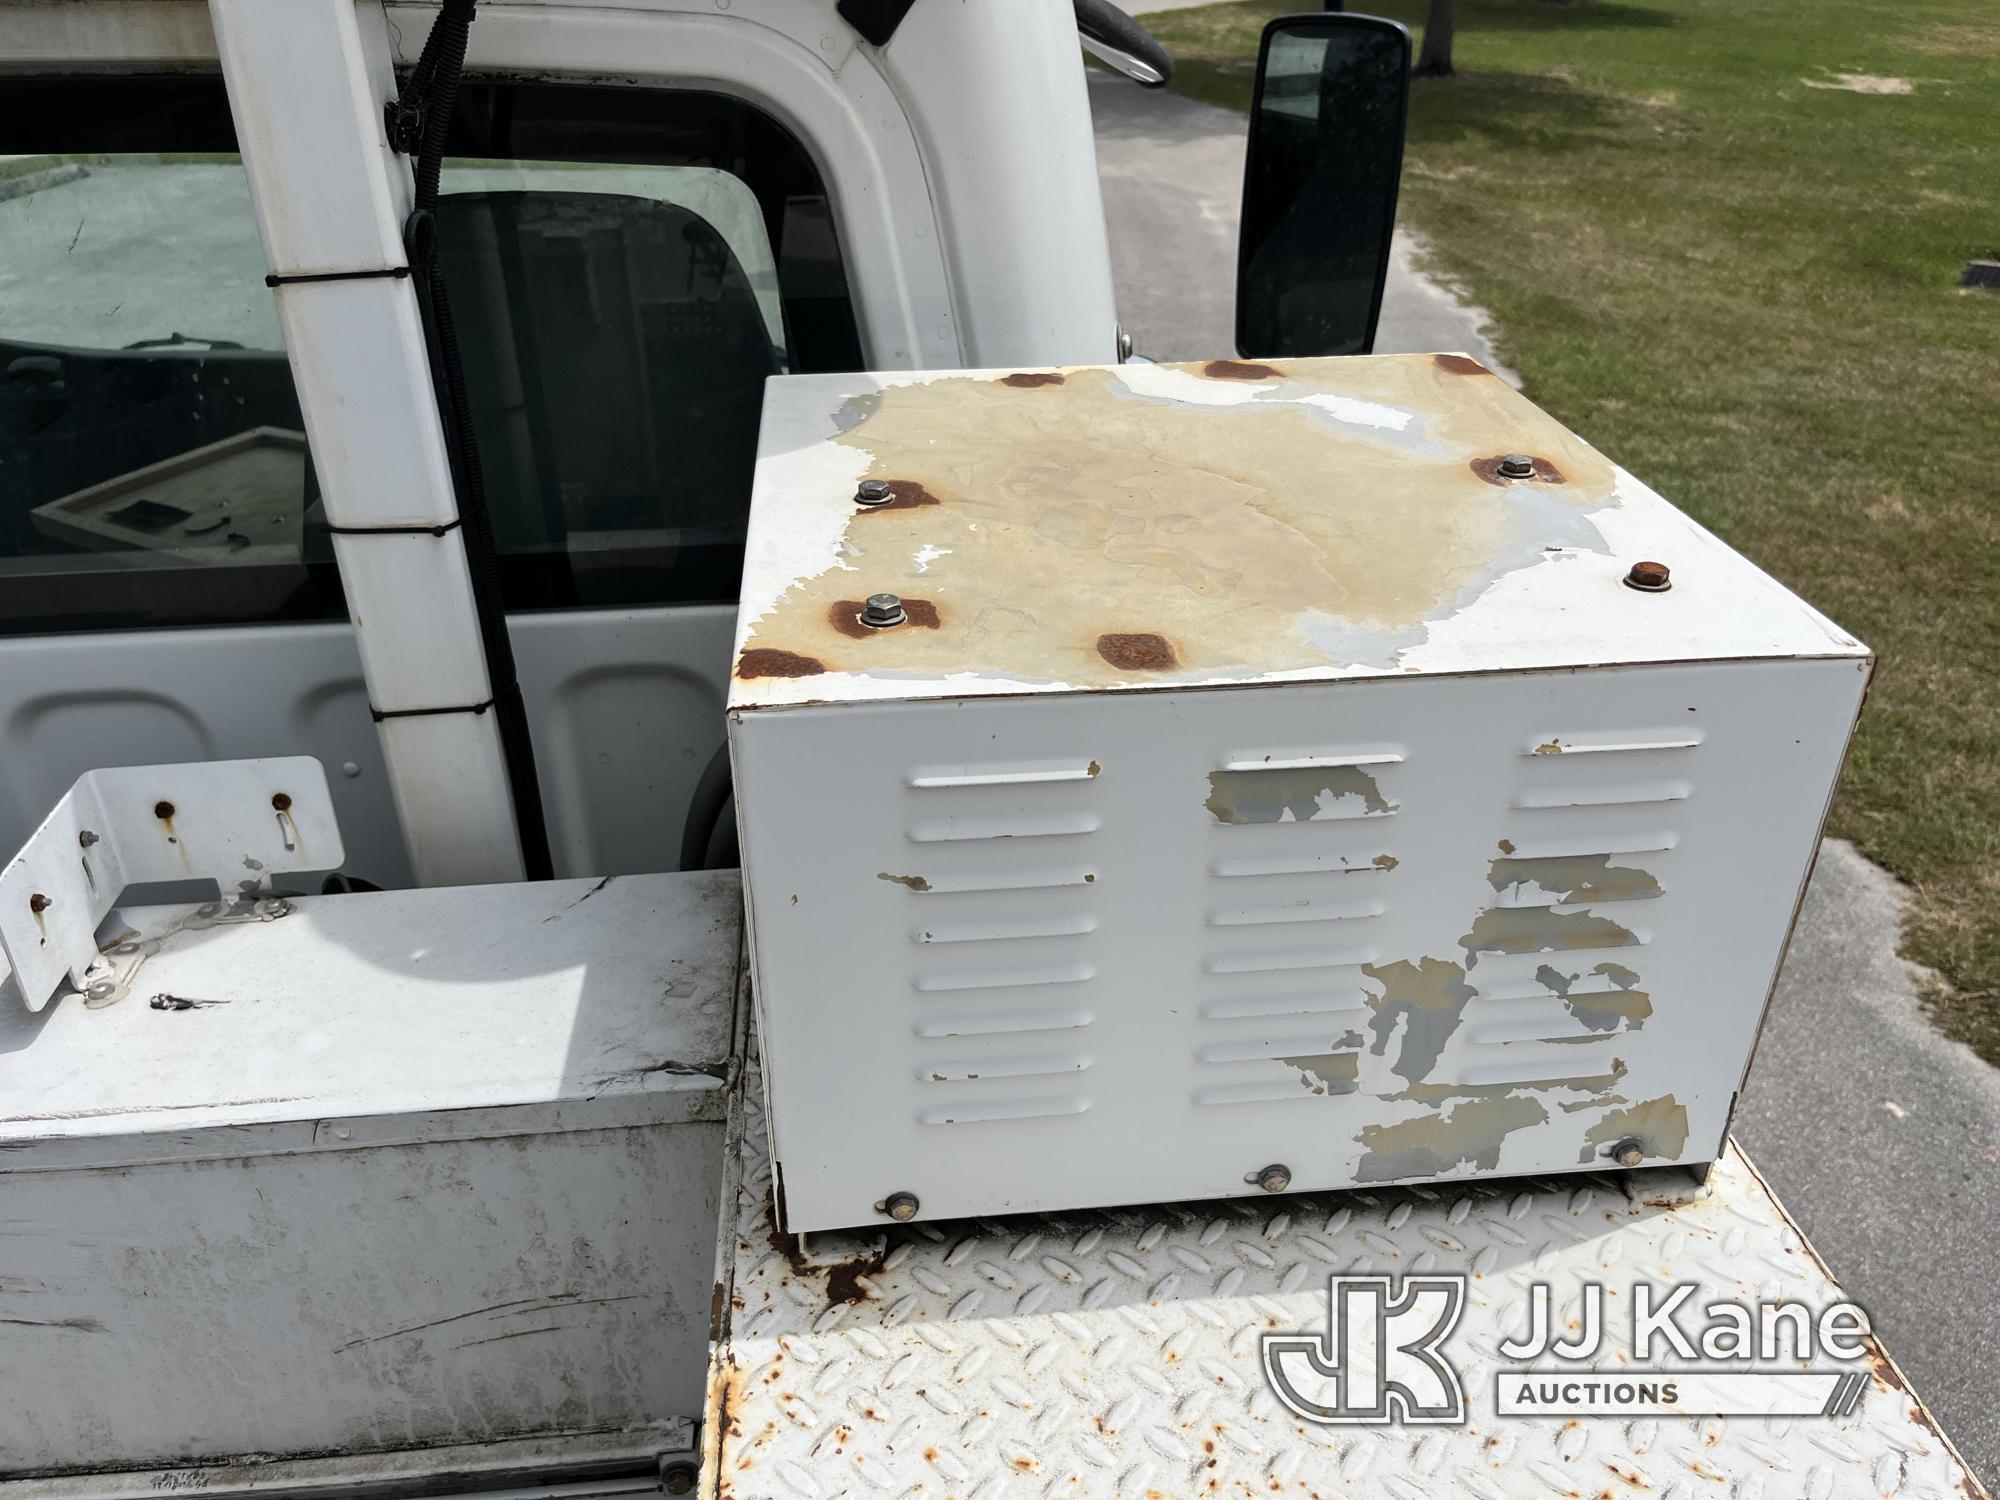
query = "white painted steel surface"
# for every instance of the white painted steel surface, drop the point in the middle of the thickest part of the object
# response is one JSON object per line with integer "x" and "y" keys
{"x": 1116, "y": 1354}
{"x": 410, "y": 1169}
{"x": 237, "y": 823}
{"x": 1499, "y": 883}
{"x": 307, "y": 82}
{"x": 627, "y": 706}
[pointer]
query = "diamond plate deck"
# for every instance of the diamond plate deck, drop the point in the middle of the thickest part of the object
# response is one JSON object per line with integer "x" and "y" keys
{"x": 1116, "y": 1353}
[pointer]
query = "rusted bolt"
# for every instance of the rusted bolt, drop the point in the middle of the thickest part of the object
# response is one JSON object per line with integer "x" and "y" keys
{"x": 1275, "y": 1178}
{"x": 873, "y": 492}
{"x": 282, "y": 801}
{"x": 85, "y": 839}
{"x": 1517, "y": 466}
{"x": 38, "y": 903}
{"x": 678, "y": 1477}
{"x": 163, "y": 810}
{"x": 1629, "y": 1152}
{"x": 880, "y": 611}
{"x": 1649, "y": 577}
{"x": 902, "y": 1207}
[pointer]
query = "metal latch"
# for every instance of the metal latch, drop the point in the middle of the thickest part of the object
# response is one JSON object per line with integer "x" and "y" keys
{"x": 227, "y": 821}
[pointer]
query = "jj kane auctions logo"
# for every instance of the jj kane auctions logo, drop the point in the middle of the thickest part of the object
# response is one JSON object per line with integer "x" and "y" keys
{"x": 1384, "y": 1358}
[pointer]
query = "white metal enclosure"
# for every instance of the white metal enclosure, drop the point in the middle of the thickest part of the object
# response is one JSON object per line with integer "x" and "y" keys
{"x": 404, "y": 1170}
{"x": 1261, "y": 778}
{"x": 961, "y": 173}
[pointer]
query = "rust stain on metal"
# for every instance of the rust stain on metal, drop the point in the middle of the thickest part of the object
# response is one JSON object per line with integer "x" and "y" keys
{"x": 1093, "y": 769}
{"x": 766, "y": 661}
{"x": 1236, "y": 369}
{"x": 1028, "y": 380}
{"x": 1255, "y": 536}
{"x": 1137, "y": 652}
{"x": 846, "y": 1280}
{"x": 38, "y": 903}
{"x": 1425, "y": 1000}
{"x": 1459, "y": 364}
{"x": 1546, "y": 471}
{"x": 1574, "y": 878}
{"x": 1553, "y": 747}
{"x": 1468, "y": 1135}
{"x": 1506, "y": 846}
{"x": 844, "y": 615}
{"x": 1292, "y": 794}
{"x": 1385, "y": 862}
{"x": 1659, "y": 1125}
{"x": 904, "y": 494}
{"x": 914, "y": 882}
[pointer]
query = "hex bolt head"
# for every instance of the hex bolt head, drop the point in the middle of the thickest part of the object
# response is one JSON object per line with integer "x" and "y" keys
{"x": 902, "y": 1207}
{"x": 880, "y": 611}
{"x": 678, "y": 1477}
{"x": 1629, "y": 1152}
{"x": 1275, "y": 1178}
{"x": 1649, "y": 578}
{"x": 1517, "y": 466}
{"x": 873, "y": 492}
{"x": 85, "y": 839}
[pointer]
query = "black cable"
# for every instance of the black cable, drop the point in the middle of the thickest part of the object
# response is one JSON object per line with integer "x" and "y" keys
{"x": 432, "y": 89}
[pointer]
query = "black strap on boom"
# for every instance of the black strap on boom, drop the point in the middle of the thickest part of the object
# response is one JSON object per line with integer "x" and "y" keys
{"x": 420, "y": 117}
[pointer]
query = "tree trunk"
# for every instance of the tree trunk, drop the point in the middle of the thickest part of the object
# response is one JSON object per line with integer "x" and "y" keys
{"x": 1434, "y": 61}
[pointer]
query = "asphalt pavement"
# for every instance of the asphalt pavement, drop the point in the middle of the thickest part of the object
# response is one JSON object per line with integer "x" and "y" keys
{"x": 1881, "y": 1137}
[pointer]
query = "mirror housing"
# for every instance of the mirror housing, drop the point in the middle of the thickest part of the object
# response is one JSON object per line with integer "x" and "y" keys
{"x": 1324, "y": 159}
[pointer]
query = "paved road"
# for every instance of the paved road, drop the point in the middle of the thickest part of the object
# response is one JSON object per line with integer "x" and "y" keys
{"x": 1882, "y": 1138}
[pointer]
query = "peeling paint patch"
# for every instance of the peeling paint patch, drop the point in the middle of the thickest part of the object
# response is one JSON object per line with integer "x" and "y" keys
{"x": 1600, "y": 1010}
{"x": 1385, "y": 861}
{"x": 1468, "y": 1135}
{"x": 1329, "y": 1072}
{"x": 1027, "y": 380}
{"x": 1539, "y": 929}
{"x": 1291, "y": 794}
{"x": 1459, "y": 364}
{"x": 1659, "y": 1125}
{"x": 1574, "y": 878}
{"x": 1428, "y": 998}
{"x": 914, "y": 882}
{"x": 767, "y": 661}
{"x": 1320, "y": 515}
{"x": 1595, "y": 1086}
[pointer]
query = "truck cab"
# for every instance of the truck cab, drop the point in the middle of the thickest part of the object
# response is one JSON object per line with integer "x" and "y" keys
{"x": 649, "y": 210}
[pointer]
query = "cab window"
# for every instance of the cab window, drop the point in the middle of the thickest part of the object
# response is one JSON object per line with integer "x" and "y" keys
{"x": 626, "y": 267}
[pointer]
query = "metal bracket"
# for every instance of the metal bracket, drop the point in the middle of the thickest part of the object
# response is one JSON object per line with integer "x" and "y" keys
{"x": 227, "y": 821}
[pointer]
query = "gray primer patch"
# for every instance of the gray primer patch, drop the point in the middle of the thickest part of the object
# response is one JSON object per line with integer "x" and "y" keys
{"x": 1660, "y": 1126}
{"x": 1470, "y": 1134}
{"x": 1598, "y": 1009}
{"x": 1429, "y": 997}
{"x": 1259, "y": 796}
{"x": 1575, "y": 877}
{"x": 1329, "y": 1072}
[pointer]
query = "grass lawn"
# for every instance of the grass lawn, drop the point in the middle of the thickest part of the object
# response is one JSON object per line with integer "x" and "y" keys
{"x": 1736, "y": 271}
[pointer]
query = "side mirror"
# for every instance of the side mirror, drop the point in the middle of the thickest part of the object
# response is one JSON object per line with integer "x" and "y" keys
{"x": 1319, "y": 184}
